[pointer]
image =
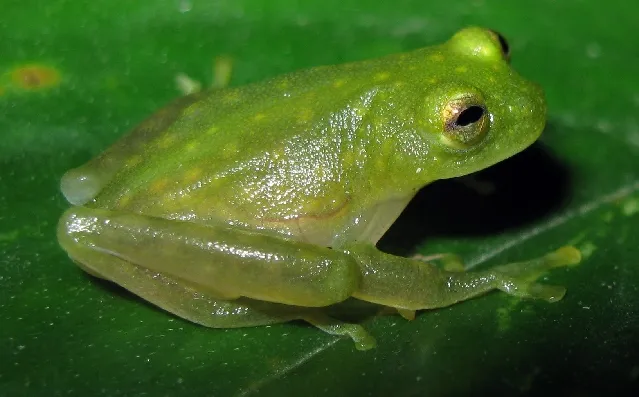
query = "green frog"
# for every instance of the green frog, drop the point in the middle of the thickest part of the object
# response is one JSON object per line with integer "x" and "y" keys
{"x": 260, "y": 204}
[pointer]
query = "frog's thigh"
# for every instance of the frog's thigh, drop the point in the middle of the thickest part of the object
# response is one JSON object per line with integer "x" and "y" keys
{"x": 220, "y": 258}
{"x": 180, "y": 298}
{"x": 409, "y": 284}
{"x": 191, "y": 303}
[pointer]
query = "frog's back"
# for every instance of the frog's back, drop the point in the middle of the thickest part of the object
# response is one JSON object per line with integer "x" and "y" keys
{"x": 260, "y": 155}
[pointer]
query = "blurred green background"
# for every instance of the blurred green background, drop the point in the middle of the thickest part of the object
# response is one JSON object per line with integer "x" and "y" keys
{"x": 75, "y": 75}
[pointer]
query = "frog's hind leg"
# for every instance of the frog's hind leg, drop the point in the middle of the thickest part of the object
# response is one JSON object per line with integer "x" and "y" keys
{"x": 226, "y": 259}
{"x": 194, "y": 303}
{"x": 186, "y": 300}
{"x": 363, "y": 340}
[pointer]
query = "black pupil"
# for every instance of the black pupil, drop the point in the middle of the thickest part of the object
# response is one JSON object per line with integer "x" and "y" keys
{"x": 505, "y": 49}
{"x": 470, "y": 115}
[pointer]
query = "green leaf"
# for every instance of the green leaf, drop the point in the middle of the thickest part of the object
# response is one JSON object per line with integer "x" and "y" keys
{"x": 74, "y": 76}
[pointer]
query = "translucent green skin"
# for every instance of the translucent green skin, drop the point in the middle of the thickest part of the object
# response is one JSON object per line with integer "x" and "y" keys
{"x": 221, "y": 207}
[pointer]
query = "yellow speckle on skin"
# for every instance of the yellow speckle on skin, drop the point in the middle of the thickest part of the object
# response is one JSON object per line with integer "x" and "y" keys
{"x": 492, "y": 79}
{"x": 231, "y": 97}
{"x": 432, "y": 81}
{"x": 382, "y": 76}
{"x": 259, "y": 117}
{"x": 159, "y": 185}
{"x": 166, "y": 141}
{"x": 320, "y": 173}
{"x": 348, "y": 159}
{"x": 305, "y": 114}
{"x": 124, "y": 200}
{"x": 133, "y": 161}
{"x": 34, "y": 77}
{"x": 230, "y": 149}
{"x": 191, "y": 146}
{"x": 461, "y": 69}
{"x": 284, "y": 84}
{"x": 277, "y": 153}
{"x": 387, "y": 147}
{"x": 339, "y": 83}
{"x": 436, "y": 58}
{"x": 212, "y": 130}
{"x": 193, "y": 174}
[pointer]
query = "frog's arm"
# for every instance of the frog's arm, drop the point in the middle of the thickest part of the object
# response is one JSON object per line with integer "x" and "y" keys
{"x": 408, "y": 284}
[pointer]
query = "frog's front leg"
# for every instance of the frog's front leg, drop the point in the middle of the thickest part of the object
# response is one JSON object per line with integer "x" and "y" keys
{"x": 409, "y": 284}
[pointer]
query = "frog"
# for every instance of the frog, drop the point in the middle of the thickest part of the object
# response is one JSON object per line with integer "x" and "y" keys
{"x": 263, "y": 203}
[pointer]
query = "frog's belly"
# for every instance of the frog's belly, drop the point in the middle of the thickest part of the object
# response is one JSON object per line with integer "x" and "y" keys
{"x": 341, "y": 227}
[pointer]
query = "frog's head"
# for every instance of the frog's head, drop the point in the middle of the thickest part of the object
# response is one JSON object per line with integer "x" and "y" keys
{"x": 479, "y": 110}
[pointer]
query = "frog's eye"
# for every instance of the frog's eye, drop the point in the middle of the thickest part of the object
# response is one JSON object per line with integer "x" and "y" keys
{"x": 503, "y": 43}
{"x": 466, "y": 121}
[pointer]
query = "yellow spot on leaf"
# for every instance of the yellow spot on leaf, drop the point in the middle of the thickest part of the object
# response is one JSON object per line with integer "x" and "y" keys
{"x": 382, "y": 76}
{"x": 212, "y": 130}
{"x": 259, "y": 116}
{"x": 436, "y": 57}
{"x": 35, "y": 77}
{"x": 461, "y": 69}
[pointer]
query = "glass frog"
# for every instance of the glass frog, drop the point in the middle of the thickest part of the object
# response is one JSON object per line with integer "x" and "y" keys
{"x": 263, "y": 203}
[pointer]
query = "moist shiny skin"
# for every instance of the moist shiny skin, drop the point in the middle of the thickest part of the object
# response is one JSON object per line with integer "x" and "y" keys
{"x": 262, "y": 203}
